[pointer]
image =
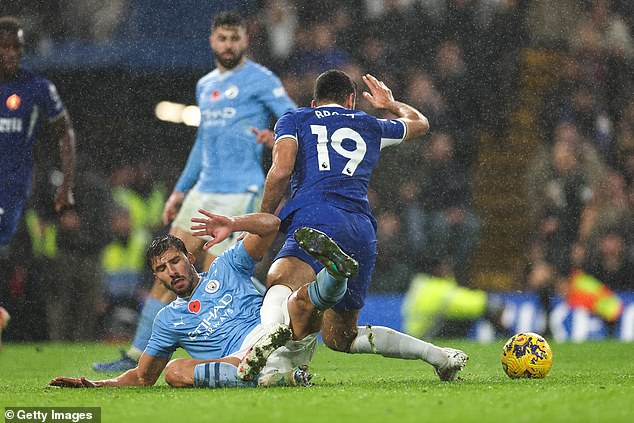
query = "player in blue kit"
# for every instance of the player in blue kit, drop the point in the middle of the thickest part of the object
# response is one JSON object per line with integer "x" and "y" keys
{"x": 224, "y": 169}
{"x": 327, "y": 154}
{"x": 215, "y": 317}
{"x": 28, "y": 103}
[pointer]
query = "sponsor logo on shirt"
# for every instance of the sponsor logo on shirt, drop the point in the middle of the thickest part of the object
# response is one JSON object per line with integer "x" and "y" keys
{"x": 217, "y": 117}
{"x": 10, "y": 125}
{"x": 13, "y": 102}
{"x": 214, "y": 318}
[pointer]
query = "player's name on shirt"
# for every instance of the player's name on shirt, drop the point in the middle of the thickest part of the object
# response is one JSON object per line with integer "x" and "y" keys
{"x": 328, "y": 113}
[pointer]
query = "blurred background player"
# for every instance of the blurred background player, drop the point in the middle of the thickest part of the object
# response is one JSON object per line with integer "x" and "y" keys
{"x": 28, "y": 103}
{"x": 327, "y": 153}
{"x": 224, "y": 169}
{"x": 216, "y": 315}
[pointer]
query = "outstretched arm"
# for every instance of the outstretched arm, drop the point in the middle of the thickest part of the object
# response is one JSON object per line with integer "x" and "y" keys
{"x": 276, "y": 184}
{"x": 262, "y": 228}
{"x": 63, "y": 131}
{"x": 145, "y": 374}
{"x": 380, "y": 96}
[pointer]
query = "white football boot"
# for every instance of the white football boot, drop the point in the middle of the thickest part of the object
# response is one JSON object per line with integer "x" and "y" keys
{"x": 456, "y": 360}
{"x": 295, "y": 377}
{"x": 255, "y": 359}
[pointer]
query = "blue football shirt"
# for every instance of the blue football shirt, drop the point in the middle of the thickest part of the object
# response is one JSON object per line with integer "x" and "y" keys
{"x": 225, "y": 157}
{"x": 338, "y": 149}
{"x": 214, "y": 321}
{"x": 26, "y": 103}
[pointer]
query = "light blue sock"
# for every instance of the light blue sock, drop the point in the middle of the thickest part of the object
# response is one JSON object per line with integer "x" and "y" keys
{"x": 326, "y": 291}
{"x": 218, "y": 375}
{"x": 144, "y": 329}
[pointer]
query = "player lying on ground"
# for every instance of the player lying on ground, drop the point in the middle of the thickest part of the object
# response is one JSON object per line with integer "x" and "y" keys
{"x": 216, "y": 319}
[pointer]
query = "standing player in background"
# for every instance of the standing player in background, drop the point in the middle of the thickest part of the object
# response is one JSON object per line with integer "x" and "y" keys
{"x": 224, "y": 169}
{"x": 28, "y": 103}
{"x": 327, "y": 153}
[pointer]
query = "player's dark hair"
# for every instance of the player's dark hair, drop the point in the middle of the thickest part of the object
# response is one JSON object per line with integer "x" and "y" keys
{"x": 160, "y": 245}
{"x": 10, "y": 24}
{"x": 227, "y": 19}
{"x": 333, "y": 85}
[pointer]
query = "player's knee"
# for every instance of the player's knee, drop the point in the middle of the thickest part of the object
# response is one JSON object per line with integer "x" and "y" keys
{"x": 176, "y": 374}
{"x": 281, "y": 278}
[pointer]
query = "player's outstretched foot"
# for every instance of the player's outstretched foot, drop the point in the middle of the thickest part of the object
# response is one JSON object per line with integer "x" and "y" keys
{"x": 294, "y": 377}
{"x": 255, "y": 359}
{"x": 327, "y": 252}
{"x": 456, "y": 360}
{"x": 117, "y": 366}
{"x": 4, "y": 321}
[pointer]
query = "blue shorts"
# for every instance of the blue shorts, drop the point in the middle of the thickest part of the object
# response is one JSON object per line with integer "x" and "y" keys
{"x": 355, "y": 233}
{"x": 11, "y": 207}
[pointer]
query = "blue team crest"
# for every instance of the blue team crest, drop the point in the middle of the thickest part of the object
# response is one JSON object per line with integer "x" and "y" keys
{"x": 232, "y": 92}
{"x": 212, "y": 286}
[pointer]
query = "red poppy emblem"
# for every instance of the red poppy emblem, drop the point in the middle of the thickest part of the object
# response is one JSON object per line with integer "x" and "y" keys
{"x": 194, "y": 306}
{"x": 13, "y": 102}
{"x": 215, "y": 96}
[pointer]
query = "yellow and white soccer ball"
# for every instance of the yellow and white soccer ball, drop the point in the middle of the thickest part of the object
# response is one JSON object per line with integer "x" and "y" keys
{"x": 527, "y": 355}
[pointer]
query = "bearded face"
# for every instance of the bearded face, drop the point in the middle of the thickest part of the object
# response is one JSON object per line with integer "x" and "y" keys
{"x": 229, "y": 44}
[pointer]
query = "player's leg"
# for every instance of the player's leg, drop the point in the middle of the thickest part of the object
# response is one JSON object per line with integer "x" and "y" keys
{"x": 294, "y": 267}
{"x": 303, "y": 310}
{"x": 218, "y": 373}
{"x": 341, "y": 333}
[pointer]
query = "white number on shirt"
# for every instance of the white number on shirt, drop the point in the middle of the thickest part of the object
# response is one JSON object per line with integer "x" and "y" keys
{"x": 355, "y": 156}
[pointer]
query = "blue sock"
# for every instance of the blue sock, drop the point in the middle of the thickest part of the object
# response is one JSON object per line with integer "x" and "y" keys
{"x": 326, "y": 291}
{"x": 218, "y": 374}
{"x": 144, "y": 329}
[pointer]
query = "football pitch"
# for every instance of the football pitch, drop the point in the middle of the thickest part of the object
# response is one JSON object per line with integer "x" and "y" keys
{"x": 589, "y": 382}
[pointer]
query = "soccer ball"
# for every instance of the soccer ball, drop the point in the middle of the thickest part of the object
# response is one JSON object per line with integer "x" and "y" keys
{"x": 527, "y": 355}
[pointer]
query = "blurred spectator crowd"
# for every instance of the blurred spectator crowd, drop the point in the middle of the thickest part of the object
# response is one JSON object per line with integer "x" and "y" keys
{"x": 459, "y": 62}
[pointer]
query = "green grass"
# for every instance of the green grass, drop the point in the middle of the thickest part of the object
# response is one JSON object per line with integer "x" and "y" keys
{"x": 590, "y": 382}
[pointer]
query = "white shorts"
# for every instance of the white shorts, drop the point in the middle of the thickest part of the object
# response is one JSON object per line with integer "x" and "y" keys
{"x": 292, "y": 354}
{"x": 225, "y": 204}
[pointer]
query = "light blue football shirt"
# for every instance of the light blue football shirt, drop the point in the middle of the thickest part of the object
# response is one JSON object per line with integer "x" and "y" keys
{"x": 225, "y": 157}
{"x": 214, "y": 321}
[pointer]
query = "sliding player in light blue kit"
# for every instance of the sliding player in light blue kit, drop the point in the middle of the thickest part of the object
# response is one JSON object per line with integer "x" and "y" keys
{"x": 224, "y": 169}
{"x": 216, "y": 317}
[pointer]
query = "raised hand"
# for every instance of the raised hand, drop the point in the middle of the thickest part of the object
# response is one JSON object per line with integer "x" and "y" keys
{"x": 380, "y": 96}
{"x": 264, "y": 136}
{"x": 217, "y": 226}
